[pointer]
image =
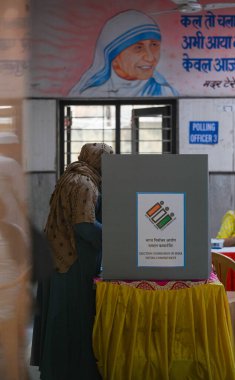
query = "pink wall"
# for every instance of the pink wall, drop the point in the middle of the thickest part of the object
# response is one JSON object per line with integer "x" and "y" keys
{"x": 64, "y": 34}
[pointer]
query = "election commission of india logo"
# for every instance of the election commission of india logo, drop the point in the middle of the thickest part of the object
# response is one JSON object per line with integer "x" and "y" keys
{"x": 160, "y": 216}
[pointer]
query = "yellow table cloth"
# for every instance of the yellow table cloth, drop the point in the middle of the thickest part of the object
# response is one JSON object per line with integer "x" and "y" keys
{"x": 183, "y": 334}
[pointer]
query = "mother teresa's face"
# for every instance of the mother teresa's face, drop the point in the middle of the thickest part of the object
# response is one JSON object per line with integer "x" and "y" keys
{"x": 138, "y": 61}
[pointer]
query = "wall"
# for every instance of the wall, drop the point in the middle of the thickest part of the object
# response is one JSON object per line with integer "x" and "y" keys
{"x": 221, "y": 158}
{"x": 221, "y": 198}
{"x": 40, "y": 153}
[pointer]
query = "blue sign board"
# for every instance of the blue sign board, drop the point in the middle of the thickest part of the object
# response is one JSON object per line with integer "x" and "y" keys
{"x": 203, "y": 132}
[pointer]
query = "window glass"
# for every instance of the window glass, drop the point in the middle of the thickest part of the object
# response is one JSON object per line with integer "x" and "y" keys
{"x": 141, "y": 128}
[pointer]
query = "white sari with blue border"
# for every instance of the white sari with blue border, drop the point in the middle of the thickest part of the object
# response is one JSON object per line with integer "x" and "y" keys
{"x": 120, "y": 32}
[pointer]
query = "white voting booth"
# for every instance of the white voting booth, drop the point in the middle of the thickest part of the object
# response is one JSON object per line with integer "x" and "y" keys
{"x": 155, "y": 217}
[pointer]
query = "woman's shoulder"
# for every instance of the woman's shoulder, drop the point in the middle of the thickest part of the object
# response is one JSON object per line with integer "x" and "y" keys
{"x": 81, "y": 184}
{"x": 230, "y": 214}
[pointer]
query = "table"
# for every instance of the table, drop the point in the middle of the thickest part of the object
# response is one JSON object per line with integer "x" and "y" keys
{"x": 230, "y": 252}
{"x": 176, "y": 330}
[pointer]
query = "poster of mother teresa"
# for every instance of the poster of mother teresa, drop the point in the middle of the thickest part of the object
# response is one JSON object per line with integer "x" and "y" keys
{"x": 125, "y": 60}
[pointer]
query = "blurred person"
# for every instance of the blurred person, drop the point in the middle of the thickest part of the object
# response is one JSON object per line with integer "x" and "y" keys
{"x": 25, "y": 259}
{"x": 74, "y": 230}
{"x": 27, "y": 242}
{"x": 15, "y": 264}
{"x": 13, "y": 192}
{"x": 12, "y": 181}
{"x": 15, "y": 275}
{"x": 127, "y": 53}
{"x": 227, "y": 229}
{"x": 10, "y": 145}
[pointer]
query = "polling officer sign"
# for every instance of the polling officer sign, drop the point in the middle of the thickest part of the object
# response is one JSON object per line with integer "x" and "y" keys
{"x": 203, "y": 132}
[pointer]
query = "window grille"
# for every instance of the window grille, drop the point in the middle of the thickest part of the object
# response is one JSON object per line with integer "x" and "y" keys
{"x": 130, "y": 128}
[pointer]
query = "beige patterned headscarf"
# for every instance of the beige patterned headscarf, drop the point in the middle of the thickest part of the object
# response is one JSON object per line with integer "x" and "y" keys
{"x": 73, "y": 201}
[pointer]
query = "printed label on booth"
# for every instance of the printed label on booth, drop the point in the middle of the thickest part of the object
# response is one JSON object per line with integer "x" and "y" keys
{"x": 160, "y": 229}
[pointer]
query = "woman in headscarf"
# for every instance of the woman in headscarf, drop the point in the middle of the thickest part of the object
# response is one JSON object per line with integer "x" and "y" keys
{"x": 74, "y": 231}
{"x": 127, "y": 52}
